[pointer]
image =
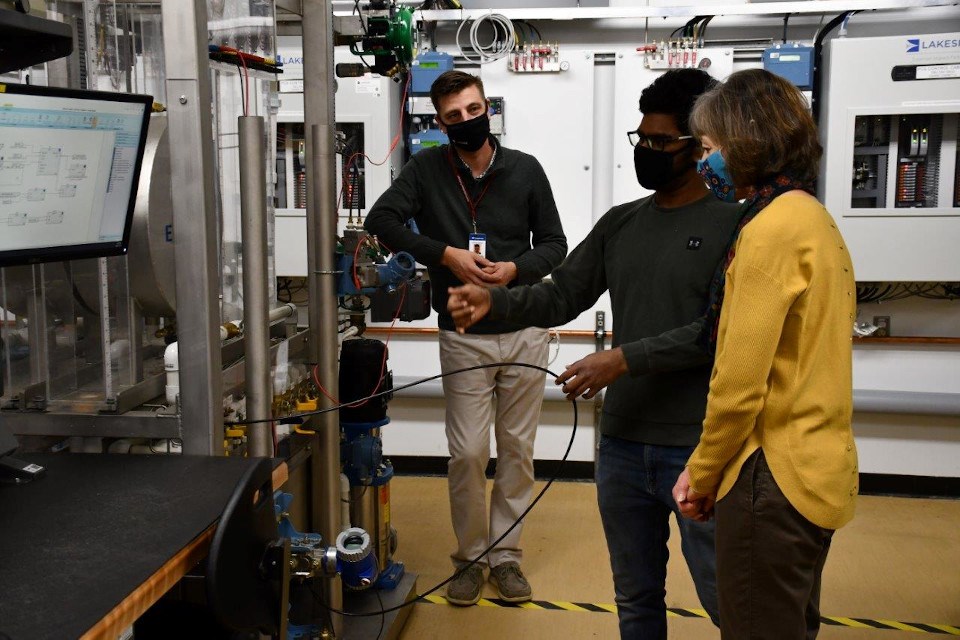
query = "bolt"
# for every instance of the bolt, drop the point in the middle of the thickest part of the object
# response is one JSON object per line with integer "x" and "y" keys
{"x": 183, "y": 99}
{"x": 586, "y": 167}
{"x": 620, "y": 55}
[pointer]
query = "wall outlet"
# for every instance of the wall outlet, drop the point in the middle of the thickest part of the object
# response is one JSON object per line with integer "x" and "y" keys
{"x": 882, "y": 323}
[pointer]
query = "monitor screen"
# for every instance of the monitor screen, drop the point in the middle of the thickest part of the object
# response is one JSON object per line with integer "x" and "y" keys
{"x": 69, "y": 168}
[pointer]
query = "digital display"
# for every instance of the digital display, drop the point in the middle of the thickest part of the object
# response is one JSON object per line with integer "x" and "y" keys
{"x": 69, "y": 168}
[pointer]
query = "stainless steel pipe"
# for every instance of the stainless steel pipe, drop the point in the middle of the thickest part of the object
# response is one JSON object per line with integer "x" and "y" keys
{"x": 256, "y": 306}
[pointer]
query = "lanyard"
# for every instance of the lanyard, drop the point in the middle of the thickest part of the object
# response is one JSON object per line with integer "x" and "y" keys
{"x": 471, "y": 203}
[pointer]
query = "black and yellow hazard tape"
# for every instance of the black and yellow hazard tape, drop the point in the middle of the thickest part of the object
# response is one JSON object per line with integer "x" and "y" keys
{"x": 854, "y": 623}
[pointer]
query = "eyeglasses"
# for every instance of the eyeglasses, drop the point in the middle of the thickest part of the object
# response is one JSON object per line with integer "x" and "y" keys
{"x": 657, "y": 143}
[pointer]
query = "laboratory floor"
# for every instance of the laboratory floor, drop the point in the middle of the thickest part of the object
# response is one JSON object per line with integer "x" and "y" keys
{"x": 896, "y": 562}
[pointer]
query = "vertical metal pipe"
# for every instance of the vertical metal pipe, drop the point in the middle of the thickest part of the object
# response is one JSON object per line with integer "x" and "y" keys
{"x": 196, "y": 243}
{"x": 135, "y": 357}
{"x": 320, "y": 124}
{"x": 37, "y": 329}
{"x": 256, "y": 331}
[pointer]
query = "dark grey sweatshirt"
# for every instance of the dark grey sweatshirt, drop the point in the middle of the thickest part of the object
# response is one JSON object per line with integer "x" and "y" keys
{"x": 657, "y": 264}
{"x": 517, "y": 213}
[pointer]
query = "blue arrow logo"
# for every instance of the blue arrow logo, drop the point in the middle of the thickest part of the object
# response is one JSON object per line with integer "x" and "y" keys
{"x": 913, "y": 45}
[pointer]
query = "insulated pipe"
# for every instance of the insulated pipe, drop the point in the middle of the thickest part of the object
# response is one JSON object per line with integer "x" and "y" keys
{"x": 319, "y": 88}
{"x": 284, "y": 311}
{"x": 908, "y": 402}
{"x": 256, "y": 307}
{"x": 864, "y": 400}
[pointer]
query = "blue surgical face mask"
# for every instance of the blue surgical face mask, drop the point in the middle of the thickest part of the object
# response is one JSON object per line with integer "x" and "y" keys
{"x": 715, "y": 173}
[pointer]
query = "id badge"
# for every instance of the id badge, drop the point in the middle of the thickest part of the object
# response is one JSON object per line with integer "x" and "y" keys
{"x": 477, "y": 243}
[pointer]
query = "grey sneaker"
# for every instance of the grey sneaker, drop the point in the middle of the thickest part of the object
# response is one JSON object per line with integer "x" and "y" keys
{"x": 511, "y": 583}
{"x": 464, "y": 590}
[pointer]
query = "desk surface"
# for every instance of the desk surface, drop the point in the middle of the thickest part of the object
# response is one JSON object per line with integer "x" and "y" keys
{"x": 76, "y": 543}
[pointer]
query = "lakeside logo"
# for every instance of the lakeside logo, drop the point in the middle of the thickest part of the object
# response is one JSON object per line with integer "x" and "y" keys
{"x": 915, "y": 45}
{"x": 290, "y": 60}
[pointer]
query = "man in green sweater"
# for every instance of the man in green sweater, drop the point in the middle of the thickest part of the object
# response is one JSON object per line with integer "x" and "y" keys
{"x": 656, "y": 256}
{"x": 487, "y": 216}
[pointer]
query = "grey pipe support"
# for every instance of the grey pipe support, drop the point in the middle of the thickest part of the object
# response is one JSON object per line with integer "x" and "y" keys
{"x": 256, "y": 306}
{"x": 319, "y": 88}
{"x": 906, "y": 402}
{"x": 864, "y": 400}
{"x": 197, "y": 271}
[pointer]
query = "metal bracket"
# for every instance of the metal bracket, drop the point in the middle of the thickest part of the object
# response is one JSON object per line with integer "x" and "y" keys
{"x": 600, "y": 331}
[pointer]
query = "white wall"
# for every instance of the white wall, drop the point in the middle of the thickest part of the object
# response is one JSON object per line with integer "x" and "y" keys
{"x": 565, "y": 122}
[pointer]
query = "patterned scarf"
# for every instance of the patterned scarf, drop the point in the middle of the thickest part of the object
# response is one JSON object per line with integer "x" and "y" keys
{"x": 762, "y": 195}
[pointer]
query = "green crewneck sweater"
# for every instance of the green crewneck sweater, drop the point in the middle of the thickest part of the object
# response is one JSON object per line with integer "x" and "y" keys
{"x": 516, "y": 211}
{"x": 657, "y": 264}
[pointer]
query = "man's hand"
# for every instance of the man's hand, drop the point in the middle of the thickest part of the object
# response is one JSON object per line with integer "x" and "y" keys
{"x": 468, "y": 305}
{"x": 504, "y": 272}
{"x": 588, "y": 376}
{"x": 467, "y": 266}
{"x": 693, "y": 505}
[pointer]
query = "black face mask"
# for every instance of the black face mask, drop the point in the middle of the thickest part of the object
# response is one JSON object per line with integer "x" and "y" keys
{"x": 655, "y": 168}
{"x": 470, "y": 135}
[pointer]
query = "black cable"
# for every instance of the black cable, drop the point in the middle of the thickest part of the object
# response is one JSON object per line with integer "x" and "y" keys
{"x": 818, "y": 62}
{"x": 295, "y": 418}
{"x": 240, "y": 73}
{"x": 703, "y": 29}
{"x": 786, "y": 19}
{"x": 519, "y": 28}
{"x": 688, "y": 28}
{"x": 356, "y": 7}
{"x": 516, "y": 523}
{"x": 383, "y": 614}
{"x": 530, "y": 24}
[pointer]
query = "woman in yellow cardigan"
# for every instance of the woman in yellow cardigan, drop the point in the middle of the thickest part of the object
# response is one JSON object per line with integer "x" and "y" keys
{"x": 777, "y": 455}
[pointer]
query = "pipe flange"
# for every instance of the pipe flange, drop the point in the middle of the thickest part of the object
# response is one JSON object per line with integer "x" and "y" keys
{"x": 325, "y": 561}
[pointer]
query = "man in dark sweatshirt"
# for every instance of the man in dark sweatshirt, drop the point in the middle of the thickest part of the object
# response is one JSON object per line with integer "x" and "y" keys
{"x": 656, "y": 256}
{"x": 487, "y": 217}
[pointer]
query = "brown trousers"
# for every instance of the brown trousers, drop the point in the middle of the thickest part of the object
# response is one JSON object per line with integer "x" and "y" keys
{"x": 769, "y": 561}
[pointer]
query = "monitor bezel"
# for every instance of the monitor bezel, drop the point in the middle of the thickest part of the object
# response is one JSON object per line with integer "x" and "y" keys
{"x": 37, "y": 255}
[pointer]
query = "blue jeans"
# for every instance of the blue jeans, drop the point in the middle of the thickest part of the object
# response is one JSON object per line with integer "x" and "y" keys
{"x": 634, "y": 491}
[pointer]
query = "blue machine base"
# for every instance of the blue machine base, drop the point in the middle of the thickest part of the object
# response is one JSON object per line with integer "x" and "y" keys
{"x": 390, "y": 577}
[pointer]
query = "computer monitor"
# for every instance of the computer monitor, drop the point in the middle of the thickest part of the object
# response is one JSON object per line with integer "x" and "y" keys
{"x": 69, "y": 168}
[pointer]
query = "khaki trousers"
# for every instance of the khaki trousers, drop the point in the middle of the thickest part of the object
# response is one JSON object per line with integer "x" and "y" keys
{"x": 510, "y": 398}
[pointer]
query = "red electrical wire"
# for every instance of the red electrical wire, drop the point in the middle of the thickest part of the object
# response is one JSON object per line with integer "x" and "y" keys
{"x": 356, "y": 254}
{"x": 246, "y": 74}
{"x": 393, "y": 144}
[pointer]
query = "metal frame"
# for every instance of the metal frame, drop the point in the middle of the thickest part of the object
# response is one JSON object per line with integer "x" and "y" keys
{"x": 320, "y": 128}
{"x": 747, "y": 9}
{"x": 195, "y": 220}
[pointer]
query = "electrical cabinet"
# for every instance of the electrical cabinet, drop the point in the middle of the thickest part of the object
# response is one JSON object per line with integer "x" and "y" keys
{"x": 368, "y": 119}
{"x": 890, "y": 173}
